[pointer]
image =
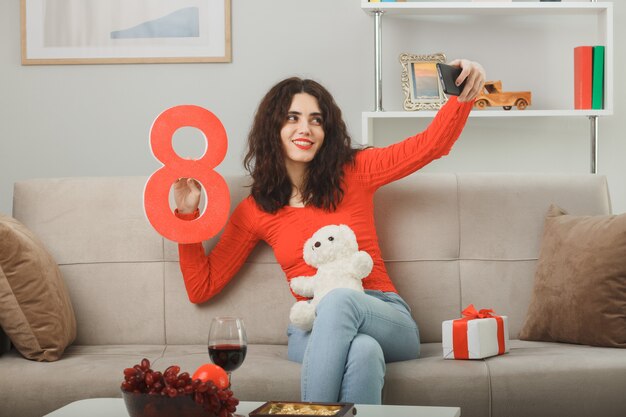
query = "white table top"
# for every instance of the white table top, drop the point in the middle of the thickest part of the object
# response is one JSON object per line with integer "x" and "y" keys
{"x": 114, "y": 407}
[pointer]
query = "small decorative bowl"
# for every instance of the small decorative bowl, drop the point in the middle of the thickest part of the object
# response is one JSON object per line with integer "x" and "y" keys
{"x": 297, "y": 408}
{"x": 146, "y": 405}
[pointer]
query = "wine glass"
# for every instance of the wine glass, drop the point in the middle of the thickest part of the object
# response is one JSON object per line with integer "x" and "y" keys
{"x": 228, "y": 343}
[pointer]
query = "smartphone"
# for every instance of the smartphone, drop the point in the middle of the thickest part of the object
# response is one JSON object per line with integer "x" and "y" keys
{"x": 448, "y": 75}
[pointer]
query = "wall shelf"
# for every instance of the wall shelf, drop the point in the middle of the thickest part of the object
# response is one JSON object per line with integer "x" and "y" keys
{"x": 489, "y": 113}
{"x": 601, "y": 12}
{"x": 482, "y": 8}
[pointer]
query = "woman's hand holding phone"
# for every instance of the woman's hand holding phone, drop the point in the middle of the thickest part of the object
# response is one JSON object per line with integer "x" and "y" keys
{"x": 470, "y": 80}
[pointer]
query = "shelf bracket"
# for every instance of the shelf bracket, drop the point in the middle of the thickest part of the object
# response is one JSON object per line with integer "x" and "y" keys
{"x": 594, "y": 143}
{"x": 378, "y": 60}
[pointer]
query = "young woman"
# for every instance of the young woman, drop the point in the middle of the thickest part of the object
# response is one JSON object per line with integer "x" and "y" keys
{"x": 305, "y": 176}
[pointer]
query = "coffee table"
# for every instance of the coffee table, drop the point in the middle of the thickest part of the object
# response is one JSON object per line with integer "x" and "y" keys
{"x": 114, "y": 407}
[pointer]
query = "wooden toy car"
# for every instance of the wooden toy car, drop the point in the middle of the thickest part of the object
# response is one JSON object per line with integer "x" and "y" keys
{"x": 494, "y": 96}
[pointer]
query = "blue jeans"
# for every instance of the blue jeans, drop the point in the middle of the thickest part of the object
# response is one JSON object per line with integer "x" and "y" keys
{"x": 354, "y": 334}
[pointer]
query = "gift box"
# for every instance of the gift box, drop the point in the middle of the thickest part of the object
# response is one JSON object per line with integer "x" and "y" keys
{"x": 479, "y": 334}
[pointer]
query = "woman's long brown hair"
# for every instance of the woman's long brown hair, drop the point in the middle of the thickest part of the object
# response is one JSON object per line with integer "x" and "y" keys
{"x": 265, "y": 160}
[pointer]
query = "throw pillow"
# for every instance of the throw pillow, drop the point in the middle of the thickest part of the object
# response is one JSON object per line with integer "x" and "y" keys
{"x": 35, "y": 308}
{"x": 580, "y": 282}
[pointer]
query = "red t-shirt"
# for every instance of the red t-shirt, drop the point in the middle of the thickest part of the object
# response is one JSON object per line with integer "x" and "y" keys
{"x": 287, "y": 229}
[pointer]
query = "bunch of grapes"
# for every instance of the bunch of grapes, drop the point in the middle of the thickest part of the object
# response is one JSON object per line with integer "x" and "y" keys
{"x": 173, "y": 383}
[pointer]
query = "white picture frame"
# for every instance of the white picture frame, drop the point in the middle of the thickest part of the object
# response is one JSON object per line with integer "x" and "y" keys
{"x": 120, "y": 31}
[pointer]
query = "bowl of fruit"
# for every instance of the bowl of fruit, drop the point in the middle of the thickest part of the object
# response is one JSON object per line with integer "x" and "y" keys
{"x": 150, "y": 393}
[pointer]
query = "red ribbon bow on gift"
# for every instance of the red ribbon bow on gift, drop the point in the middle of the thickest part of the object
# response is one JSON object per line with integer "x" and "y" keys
{"x": 459, "y": 330}
{"x": 471, "y": 313}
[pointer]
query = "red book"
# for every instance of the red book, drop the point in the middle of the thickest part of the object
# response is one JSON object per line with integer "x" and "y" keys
{"x": 583, "y": 75}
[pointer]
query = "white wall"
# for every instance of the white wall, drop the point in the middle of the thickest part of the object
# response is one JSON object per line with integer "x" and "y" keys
{"x": 93, "y": 120}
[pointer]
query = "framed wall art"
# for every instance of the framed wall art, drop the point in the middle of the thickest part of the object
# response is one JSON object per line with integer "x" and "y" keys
{"x": 420, "y": 81}
{"x": 119, "y": 31}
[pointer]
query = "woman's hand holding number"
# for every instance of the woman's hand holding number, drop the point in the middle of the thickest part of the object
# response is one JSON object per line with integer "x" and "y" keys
{"x": 187, "y": 195}
{"x": 475, "y": 75}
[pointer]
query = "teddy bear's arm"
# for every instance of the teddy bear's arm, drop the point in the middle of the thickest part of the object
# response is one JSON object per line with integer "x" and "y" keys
{"x": 302, "y": 286}
{"x": 361, "y": 264}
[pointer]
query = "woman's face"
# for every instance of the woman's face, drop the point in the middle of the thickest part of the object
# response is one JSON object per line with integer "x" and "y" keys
{"x": 302, "y": 135}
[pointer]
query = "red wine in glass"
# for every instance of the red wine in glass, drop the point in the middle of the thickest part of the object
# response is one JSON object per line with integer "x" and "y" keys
{"x": 229, "y": 357}
{"x": 228, "y": 343}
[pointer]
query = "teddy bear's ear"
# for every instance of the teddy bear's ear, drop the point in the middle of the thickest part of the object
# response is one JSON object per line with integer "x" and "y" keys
{"x": 348, "y": 236}
{"x": 346, "y": 231}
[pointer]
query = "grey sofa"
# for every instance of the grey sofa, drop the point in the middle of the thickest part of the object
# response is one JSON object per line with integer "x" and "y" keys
{"x": 448, "y": 240}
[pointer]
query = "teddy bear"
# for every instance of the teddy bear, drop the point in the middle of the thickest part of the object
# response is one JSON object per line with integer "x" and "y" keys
{"x": 334, "y": 251}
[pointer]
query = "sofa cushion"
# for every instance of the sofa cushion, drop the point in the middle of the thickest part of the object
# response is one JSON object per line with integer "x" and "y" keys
{"x": 432, "y": 380}
{"x": 35, "y": 309}
{"x": 557, "y": 379}
{"x": 580, "y": 282}
{"x": 266, "y": 374}
{"x": 34, "y": 389}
